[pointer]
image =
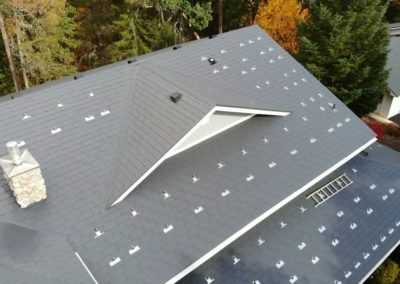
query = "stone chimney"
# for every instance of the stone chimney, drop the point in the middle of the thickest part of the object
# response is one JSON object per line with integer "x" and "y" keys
{"x": 23, "y": 175}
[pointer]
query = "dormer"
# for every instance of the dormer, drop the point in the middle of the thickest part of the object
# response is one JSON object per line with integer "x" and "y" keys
{"x": 181, "y": 112}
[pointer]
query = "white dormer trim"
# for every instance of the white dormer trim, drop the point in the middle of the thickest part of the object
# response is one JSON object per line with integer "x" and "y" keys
{"x": 251, "y": 111}
{"x": 202, "y": 122}
{"x": 180, "y": 149}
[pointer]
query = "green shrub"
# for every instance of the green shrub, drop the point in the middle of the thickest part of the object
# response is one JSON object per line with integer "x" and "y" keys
{"x": 387, "y": 273}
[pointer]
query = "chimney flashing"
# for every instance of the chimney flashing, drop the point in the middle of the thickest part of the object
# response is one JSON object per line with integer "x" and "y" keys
{"x": 11, "y": 169}
{"x": 23, "y": 175}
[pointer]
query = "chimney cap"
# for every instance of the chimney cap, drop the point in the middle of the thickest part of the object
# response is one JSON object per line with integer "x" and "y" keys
{"x": 17, "y": 162}
{"x": 14, "y": 152}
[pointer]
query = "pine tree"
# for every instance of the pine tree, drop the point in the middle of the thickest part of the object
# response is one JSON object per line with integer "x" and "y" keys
{"x": 236, "y": 14}
{"x": 138, "y": 36}
{"x": 48, "y": 41}
{"x": 6, "y": 46}
{"x": 6, "y": 85}
{"x": 345, "y": 45}
{"x": 42, "y": 34}
{"x": 387, "y": 273}
{"x": 393, "y": 12}
{"x": 279, "y": 18}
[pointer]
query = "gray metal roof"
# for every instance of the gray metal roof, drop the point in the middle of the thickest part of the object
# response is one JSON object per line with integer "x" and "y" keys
{"x": 393, "y": 65}
{"x": 151, "y": 125}
{"x": 84, "y": 164}
{"x": 29, "y": 254}
{"x": 396, "y": 119}
{"x": 373, "y": 180}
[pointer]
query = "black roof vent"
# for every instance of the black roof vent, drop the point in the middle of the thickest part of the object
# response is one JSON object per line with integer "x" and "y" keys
{"x": 131, "y": 61}
{"x": 212, "y": 61}
{"x": 212, "y": 36}
{"x": 364, "y": 153}
{"x": 175, "y": 97}
{"x": 177, "y": 47}
{"x": 78, "y": 76}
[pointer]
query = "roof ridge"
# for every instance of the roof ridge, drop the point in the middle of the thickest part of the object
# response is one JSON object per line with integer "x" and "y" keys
{"x": 130, "y": 98}
{"x": 186, "y": 115}
{"x": 209, "y": 91}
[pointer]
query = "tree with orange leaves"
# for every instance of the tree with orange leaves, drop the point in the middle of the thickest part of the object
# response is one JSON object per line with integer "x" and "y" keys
{"x": 279, "y": 19}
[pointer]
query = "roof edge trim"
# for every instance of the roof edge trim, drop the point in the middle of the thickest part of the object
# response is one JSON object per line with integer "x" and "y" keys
{"x": 251, "y": 111}
{"x": 163, "y": 158}
{"x": 86, "y": 268}
{"x": 392, "y": 93}
{"x": 262, "y": 217}
{"x": 379, "y": 263}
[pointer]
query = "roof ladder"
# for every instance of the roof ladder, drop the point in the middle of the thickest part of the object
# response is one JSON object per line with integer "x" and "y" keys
{"x": 327, "y": 191}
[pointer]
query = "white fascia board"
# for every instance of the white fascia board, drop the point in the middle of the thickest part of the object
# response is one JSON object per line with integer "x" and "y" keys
{"x": 210, "y": 135}
{"x": 251, "y": 111}
{"x": 261, "y": 218}
{"x": 379, "y": 263}
{"x": 86, "y": 268}
{"x": 163, "y": 158}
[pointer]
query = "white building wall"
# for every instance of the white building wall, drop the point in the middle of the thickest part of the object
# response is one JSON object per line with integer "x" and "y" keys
{"x": 389, "y": 106}
{"x": 395, "y": 108}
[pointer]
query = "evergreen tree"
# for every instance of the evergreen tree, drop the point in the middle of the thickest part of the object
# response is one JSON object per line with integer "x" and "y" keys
{"x": 387, "y": 273}
{"x": 345, "y": 45}
{"x": 96, "y": 30}
{"x": 48, "y": 41}
{"x": 6, "y": 85}
{"x": 393, "y": 12}
{"x": 236, "y": 14}
{"x": 138, "y": 36}
{"x": 111, "y": 30}
{"x": 5, "y": 10}
{"x": 42, "y": 34}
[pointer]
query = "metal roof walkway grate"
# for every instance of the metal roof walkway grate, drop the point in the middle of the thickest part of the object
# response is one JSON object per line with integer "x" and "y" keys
{"x": 327, "y": 191}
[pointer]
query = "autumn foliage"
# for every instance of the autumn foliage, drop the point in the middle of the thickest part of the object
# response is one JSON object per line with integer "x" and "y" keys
{"x": 279, "y": 19}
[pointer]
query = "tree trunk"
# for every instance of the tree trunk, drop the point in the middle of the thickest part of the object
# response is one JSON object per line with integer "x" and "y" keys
{"x": 250, "y": 9}
{"x": 21, "y": 55}
{"x": 8, "y": 52}
{"x": 220, "y": 15}
{"x": 195, "y": 34}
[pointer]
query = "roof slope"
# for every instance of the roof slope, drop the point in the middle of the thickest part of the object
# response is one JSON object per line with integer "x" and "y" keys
{"x": 393, "y": 65}
{"x": 208, "y": 90}
{"x": 282, "y": 154}
{"x": 259, "y": 262}
{"x": 152, "y": 124}
{"x": 30, "y": 254}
